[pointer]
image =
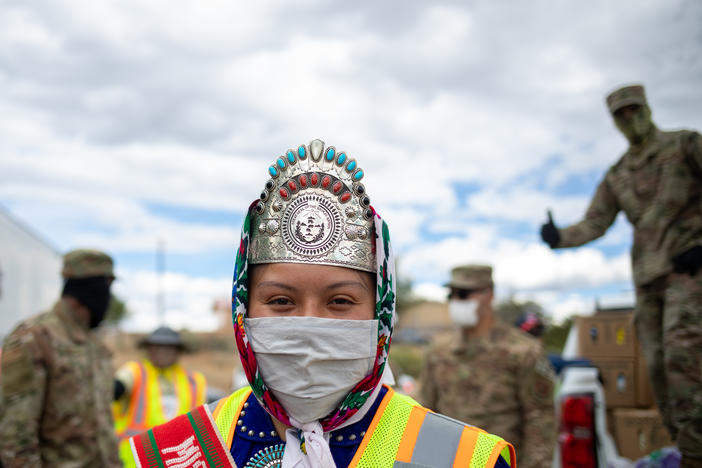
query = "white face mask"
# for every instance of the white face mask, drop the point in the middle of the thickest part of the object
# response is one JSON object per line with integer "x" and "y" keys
{"x": 464, "y": 313}
{"x": 311, "y": 363}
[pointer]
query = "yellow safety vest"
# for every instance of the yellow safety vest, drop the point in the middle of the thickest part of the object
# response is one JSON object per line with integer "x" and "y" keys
{"x": 144, "y": 410}
{"x": 402, "y": 434}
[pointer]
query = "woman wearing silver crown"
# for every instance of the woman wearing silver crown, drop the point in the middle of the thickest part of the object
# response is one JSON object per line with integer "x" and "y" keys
{"x": 314, "y": 307}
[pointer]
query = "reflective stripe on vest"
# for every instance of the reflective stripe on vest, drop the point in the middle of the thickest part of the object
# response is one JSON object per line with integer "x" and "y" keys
{"x": 226, "y": 411}
{"x": 402, "y": 434}
{"x": 133, "y": 410}
{"x": 416, "y": 436}
{"x": 144, "y": 409}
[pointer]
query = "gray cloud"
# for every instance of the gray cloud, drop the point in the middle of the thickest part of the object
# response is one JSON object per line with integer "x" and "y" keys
{"x": 186, "y": 103}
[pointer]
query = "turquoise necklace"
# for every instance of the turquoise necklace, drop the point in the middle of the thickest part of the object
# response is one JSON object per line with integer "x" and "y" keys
{"x": 269, "y": 457}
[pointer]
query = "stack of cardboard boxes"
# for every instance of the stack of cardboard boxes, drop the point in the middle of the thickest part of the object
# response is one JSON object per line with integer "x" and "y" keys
{"x": 609, "y": 341}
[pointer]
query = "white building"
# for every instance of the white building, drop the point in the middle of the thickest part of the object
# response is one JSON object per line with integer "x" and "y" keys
{"x": 30, "y": 273}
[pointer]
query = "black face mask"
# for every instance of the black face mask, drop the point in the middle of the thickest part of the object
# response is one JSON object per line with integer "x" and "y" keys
{"x": 93, "y": 293}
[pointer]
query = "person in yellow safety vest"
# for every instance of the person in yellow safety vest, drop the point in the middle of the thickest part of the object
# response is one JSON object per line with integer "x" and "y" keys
{"x": 154, "y": 390}
{"x": 314, "y": 309}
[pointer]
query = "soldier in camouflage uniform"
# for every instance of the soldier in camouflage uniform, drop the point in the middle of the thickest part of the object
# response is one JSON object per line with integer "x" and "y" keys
{"x": 490, "y": 374}
{"x": 657, "y": 183}
{"x": 57, "y": 381}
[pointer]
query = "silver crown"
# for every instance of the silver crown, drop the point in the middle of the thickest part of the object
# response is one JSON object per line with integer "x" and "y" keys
{"x": 314, "y": 209}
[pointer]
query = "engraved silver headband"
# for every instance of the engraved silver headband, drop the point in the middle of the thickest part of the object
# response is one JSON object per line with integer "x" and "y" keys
{"x": 314, "y": 209}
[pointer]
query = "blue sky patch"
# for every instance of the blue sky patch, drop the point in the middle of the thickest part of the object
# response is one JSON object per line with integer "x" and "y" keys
{"x": 214, "y": 265}
{"x": 463, "y": 190}
{"x": 579, "y": 183}
{"x": 189, "y": 214}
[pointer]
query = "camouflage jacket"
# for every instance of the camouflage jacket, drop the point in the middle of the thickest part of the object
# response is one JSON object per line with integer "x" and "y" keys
{"x": 660, "y": 190}
{"x": 57, "y": 386}
{"x": 502, "y": 383}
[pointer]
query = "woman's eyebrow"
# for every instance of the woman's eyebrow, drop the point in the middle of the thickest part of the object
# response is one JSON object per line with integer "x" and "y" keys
{"x": 341, "y": 284}
{"x": 276, "y": 284}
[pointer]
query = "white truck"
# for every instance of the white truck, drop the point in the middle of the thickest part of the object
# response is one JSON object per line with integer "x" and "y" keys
{"x": 30, "y": 273}
{"x": 583, "y": 438}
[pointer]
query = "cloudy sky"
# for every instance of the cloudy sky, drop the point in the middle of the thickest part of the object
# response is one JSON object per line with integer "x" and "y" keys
{"x": 125, "y": 124}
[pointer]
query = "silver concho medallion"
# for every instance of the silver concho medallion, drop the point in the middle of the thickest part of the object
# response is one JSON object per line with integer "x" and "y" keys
{"x": 311, "y": 225}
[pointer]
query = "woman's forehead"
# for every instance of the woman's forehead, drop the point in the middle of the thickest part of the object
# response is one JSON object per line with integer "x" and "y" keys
{"x": 301, "y": 273}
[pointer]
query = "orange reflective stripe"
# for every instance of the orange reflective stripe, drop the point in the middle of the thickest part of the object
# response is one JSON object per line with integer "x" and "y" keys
{"x": 200, "y": 386}
{"x": 371, "y": 428}
{"x": 191, "y": 392}
{"x": 137, "y": 403}
{"x": 190, "y": 396}
{"x": 192, "y": 385}
{"x": 218, "y": 408}
{"x": 403, "y": 433}
{"x": 512, "y": 456}
{"x": 184, "y": 388}
{"x": 465, "y": 448}
{"x": 409, "y": 437}
{"x": 232, "y": 427}
{"x": 132, "y": 420}
{"x": 153, "y": 408}
{"x": 144, "y": 408}
{"x": 499, "y": 447}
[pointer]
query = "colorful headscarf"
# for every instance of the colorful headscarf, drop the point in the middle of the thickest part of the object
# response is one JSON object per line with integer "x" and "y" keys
{"x": 384, "y": 313}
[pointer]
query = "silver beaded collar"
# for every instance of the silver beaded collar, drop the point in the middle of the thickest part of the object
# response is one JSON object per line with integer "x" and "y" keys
{"x": 314, "y": 209}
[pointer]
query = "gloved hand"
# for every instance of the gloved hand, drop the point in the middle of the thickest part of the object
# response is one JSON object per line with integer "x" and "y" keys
{"x": 549, "y": 232}
{"x": 119, "y": 389}
{"x": 688, "y": 261}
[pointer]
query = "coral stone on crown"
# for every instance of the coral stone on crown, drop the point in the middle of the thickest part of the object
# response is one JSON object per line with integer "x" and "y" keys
{"x": 314, "y": 209}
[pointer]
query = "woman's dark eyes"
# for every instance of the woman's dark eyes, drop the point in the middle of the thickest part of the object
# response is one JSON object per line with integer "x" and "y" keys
{"x": 341, "y": 301}
{"x": 280, "y": 301}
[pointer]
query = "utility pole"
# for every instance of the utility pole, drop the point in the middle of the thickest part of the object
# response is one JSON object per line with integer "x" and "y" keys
{"x": 160, "y": 270}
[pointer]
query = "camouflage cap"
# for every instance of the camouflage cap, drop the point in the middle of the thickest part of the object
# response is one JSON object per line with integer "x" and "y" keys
{"x": 84, "y": 263}
{"x": 471, "y": 277}
{"x": 626, "y": 96}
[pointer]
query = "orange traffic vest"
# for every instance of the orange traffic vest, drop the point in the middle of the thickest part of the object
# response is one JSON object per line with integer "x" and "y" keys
{"x": 402, "y": 433}
{"x": 144, "y": 408}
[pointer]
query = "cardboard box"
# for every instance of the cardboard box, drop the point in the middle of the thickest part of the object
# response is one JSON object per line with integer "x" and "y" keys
{"x": 618, "y": 381}
{"x": 623, "y": 383}
{"x": 610, "y": 424}
{"x": 607, "y": 335}
{"x": 639, "y": 432}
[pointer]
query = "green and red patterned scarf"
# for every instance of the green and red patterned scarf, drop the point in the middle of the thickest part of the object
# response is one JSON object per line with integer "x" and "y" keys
{"x": 384, "y": 313}
{"x": 191, "y": 439}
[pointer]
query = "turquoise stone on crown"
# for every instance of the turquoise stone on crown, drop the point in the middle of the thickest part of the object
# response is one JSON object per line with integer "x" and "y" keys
{"x": 314, "y": 210}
